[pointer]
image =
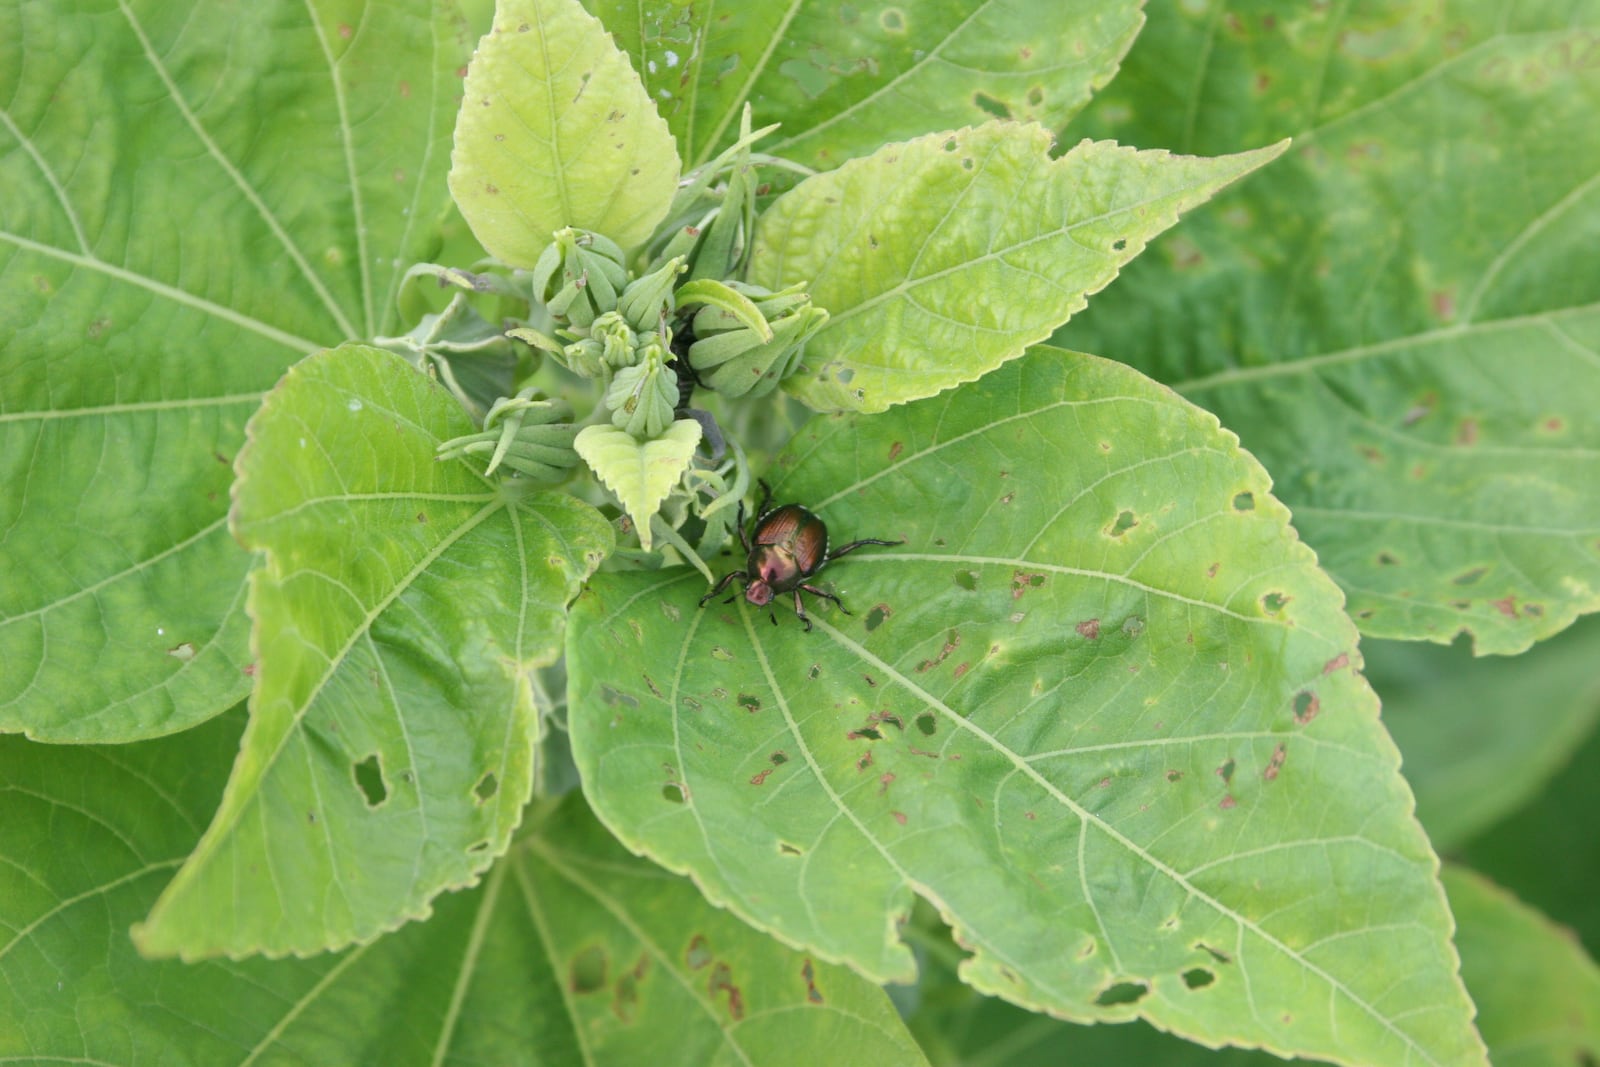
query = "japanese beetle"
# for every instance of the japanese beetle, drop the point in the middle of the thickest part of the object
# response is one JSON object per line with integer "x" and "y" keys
{"x": 787, "y": 546}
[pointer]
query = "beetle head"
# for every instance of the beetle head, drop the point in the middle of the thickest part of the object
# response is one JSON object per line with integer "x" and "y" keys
{"x": 758, "y": 592}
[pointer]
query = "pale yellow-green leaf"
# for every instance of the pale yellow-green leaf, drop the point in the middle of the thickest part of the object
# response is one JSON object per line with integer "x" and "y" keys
{"x": 641, "y": 474}
{"x": 555, "y": 130}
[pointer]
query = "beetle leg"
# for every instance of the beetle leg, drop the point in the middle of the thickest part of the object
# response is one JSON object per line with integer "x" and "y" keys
{"x": 723, "y": 584}
{"x": 744, "y": 534}
{"x": 853, "y": 545}
{"x": 824, "y": 594}
{"x": 800, "y": 610}
{"x": 766, "y": 497}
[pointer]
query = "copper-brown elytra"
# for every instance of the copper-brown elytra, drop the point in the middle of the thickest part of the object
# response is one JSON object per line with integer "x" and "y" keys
{"x": 787, "y": 546}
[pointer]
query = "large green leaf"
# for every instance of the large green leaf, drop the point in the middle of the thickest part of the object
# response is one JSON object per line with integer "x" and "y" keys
{"x": 195, "y": 195}
{"x": 509, "y": 973}
{"x": 1398, "y": 318}
{"x": 1481, "y": 737}
{"x": 941, "y": 258}
{"x": 843, "y": 79}
{"x": 555, "y": 130}
{"x": 1538, "y": 993}
{"x": 401, "y": 609}
{"x": 1102, "y": 709}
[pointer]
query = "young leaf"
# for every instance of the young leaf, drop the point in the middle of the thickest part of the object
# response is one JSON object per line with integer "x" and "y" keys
{"x": 1537, "y": 991}
{"x": 160, "y": 265}
{"x": 943, "y": 257}
{"x": 1101, "y": 708}
{"x": 1390, "y": 318}
{"x": 1481, "y": 737}
{"x": 640, "y": 473}
{"x": 844, "y": 79}
{"x": 401, "y": 607}
{"x": 555, "y": 130}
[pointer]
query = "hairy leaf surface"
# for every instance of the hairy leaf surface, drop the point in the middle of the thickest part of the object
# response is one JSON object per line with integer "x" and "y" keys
{"x": 940, "y": 258}
{"x": 400, "y": 611}
{"x": 195, "y": 195}
{"x": 1102, "y": 709}
{"x": 1396, "y": 318}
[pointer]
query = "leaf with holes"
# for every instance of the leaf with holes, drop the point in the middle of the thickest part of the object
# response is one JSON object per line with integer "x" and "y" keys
{"x": 1101, "y": 708}
{"x": 136, "y": 338}
{"x": 1391, "y": 318}
{"x": 943, "y": 257}
{"x": 1481, "y": 737}
{"x": 843, "y": 80}
{"x": 555, "y": 130}
{"x": 402, "y": 606}
{"x": 571, "y": 945}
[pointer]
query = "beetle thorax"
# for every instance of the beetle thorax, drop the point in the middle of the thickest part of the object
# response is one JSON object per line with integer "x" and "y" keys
{"x": 774, "y": 567}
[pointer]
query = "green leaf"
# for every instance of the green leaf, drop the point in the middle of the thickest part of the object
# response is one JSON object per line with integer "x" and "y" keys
{"x": 844, "y": 79}
{"x": 1102, "y": 709}
{"x": 650, "y": 973}
{"x": 1481, "y": 737}
{"x": 162, "y": 261}
{"x": 1391, "y": 318}
{"x": 91, "y": 832}
{"x": 555, "y": 130}
{"x": 1538, "y": 993}
{"x": 401, "y": 608}
{"x": 640, "y": 473}
{"x": 941, "y": 258}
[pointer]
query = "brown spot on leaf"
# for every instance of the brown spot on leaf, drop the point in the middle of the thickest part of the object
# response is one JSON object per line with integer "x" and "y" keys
{"x": 1090, "y": 629}
{"x": 1506, "y": 606}
{"x": 761, "y": 778}
{"x": 884, "y": 782}
{"x": 1341, "y": 660}
{"x": 722, "y": 981}
{"x": 1275, "y": 764}
{"x": 895, "y": 450}
{"x": 1467, "y": 432}
{"x": 809, "y": 974}
{"x": 899, "y": 817}
{"x": 698, "y": 954}
{"x": 1228, "y": 803}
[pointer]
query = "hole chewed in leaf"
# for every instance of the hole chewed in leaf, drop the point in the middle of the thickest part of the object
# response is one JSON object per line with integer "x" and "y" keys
{"x": 487, "y": 787}
{"x": 988, "y": 104}
{"x": 927, "y": 724}
{"x": 672, "y": 792}
{"x": 967, "y": 580}
{"x": 1198, "y": 978}
{"x": 698, "y": 954}
{"x": 808, "y": 974}
{"x": 1274, "y": 602}
{"x": 1120, "y": 993}
{"x": 369, "y": 779}
{"x": 876, "y": 616}
{"x": 1470, "y": 577}
{"x": 1306, "y": 706}
{"x": 1244, "y": 501}
{"x": 721, "y": 981}
{"x": 588, "y": 973}
{"x": 1125, "y": 521}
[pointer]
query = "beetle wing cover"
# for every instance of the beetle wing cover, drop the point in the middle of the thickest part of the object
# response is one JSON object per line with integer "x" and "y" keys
{"x": 780, "y": 526}
{"x": 811, "y": 545}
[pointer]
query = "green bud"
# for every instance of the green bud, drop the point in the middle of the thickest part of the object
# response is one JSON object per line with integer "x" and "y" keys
{"x": 617, "y": 338}
{"x": 532, "y": 437}
{"x": 647, "y": 300}
{"x": 740, "y": 362}
{"x": 579, "y": 276}
{"x": 643, "y": 397}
